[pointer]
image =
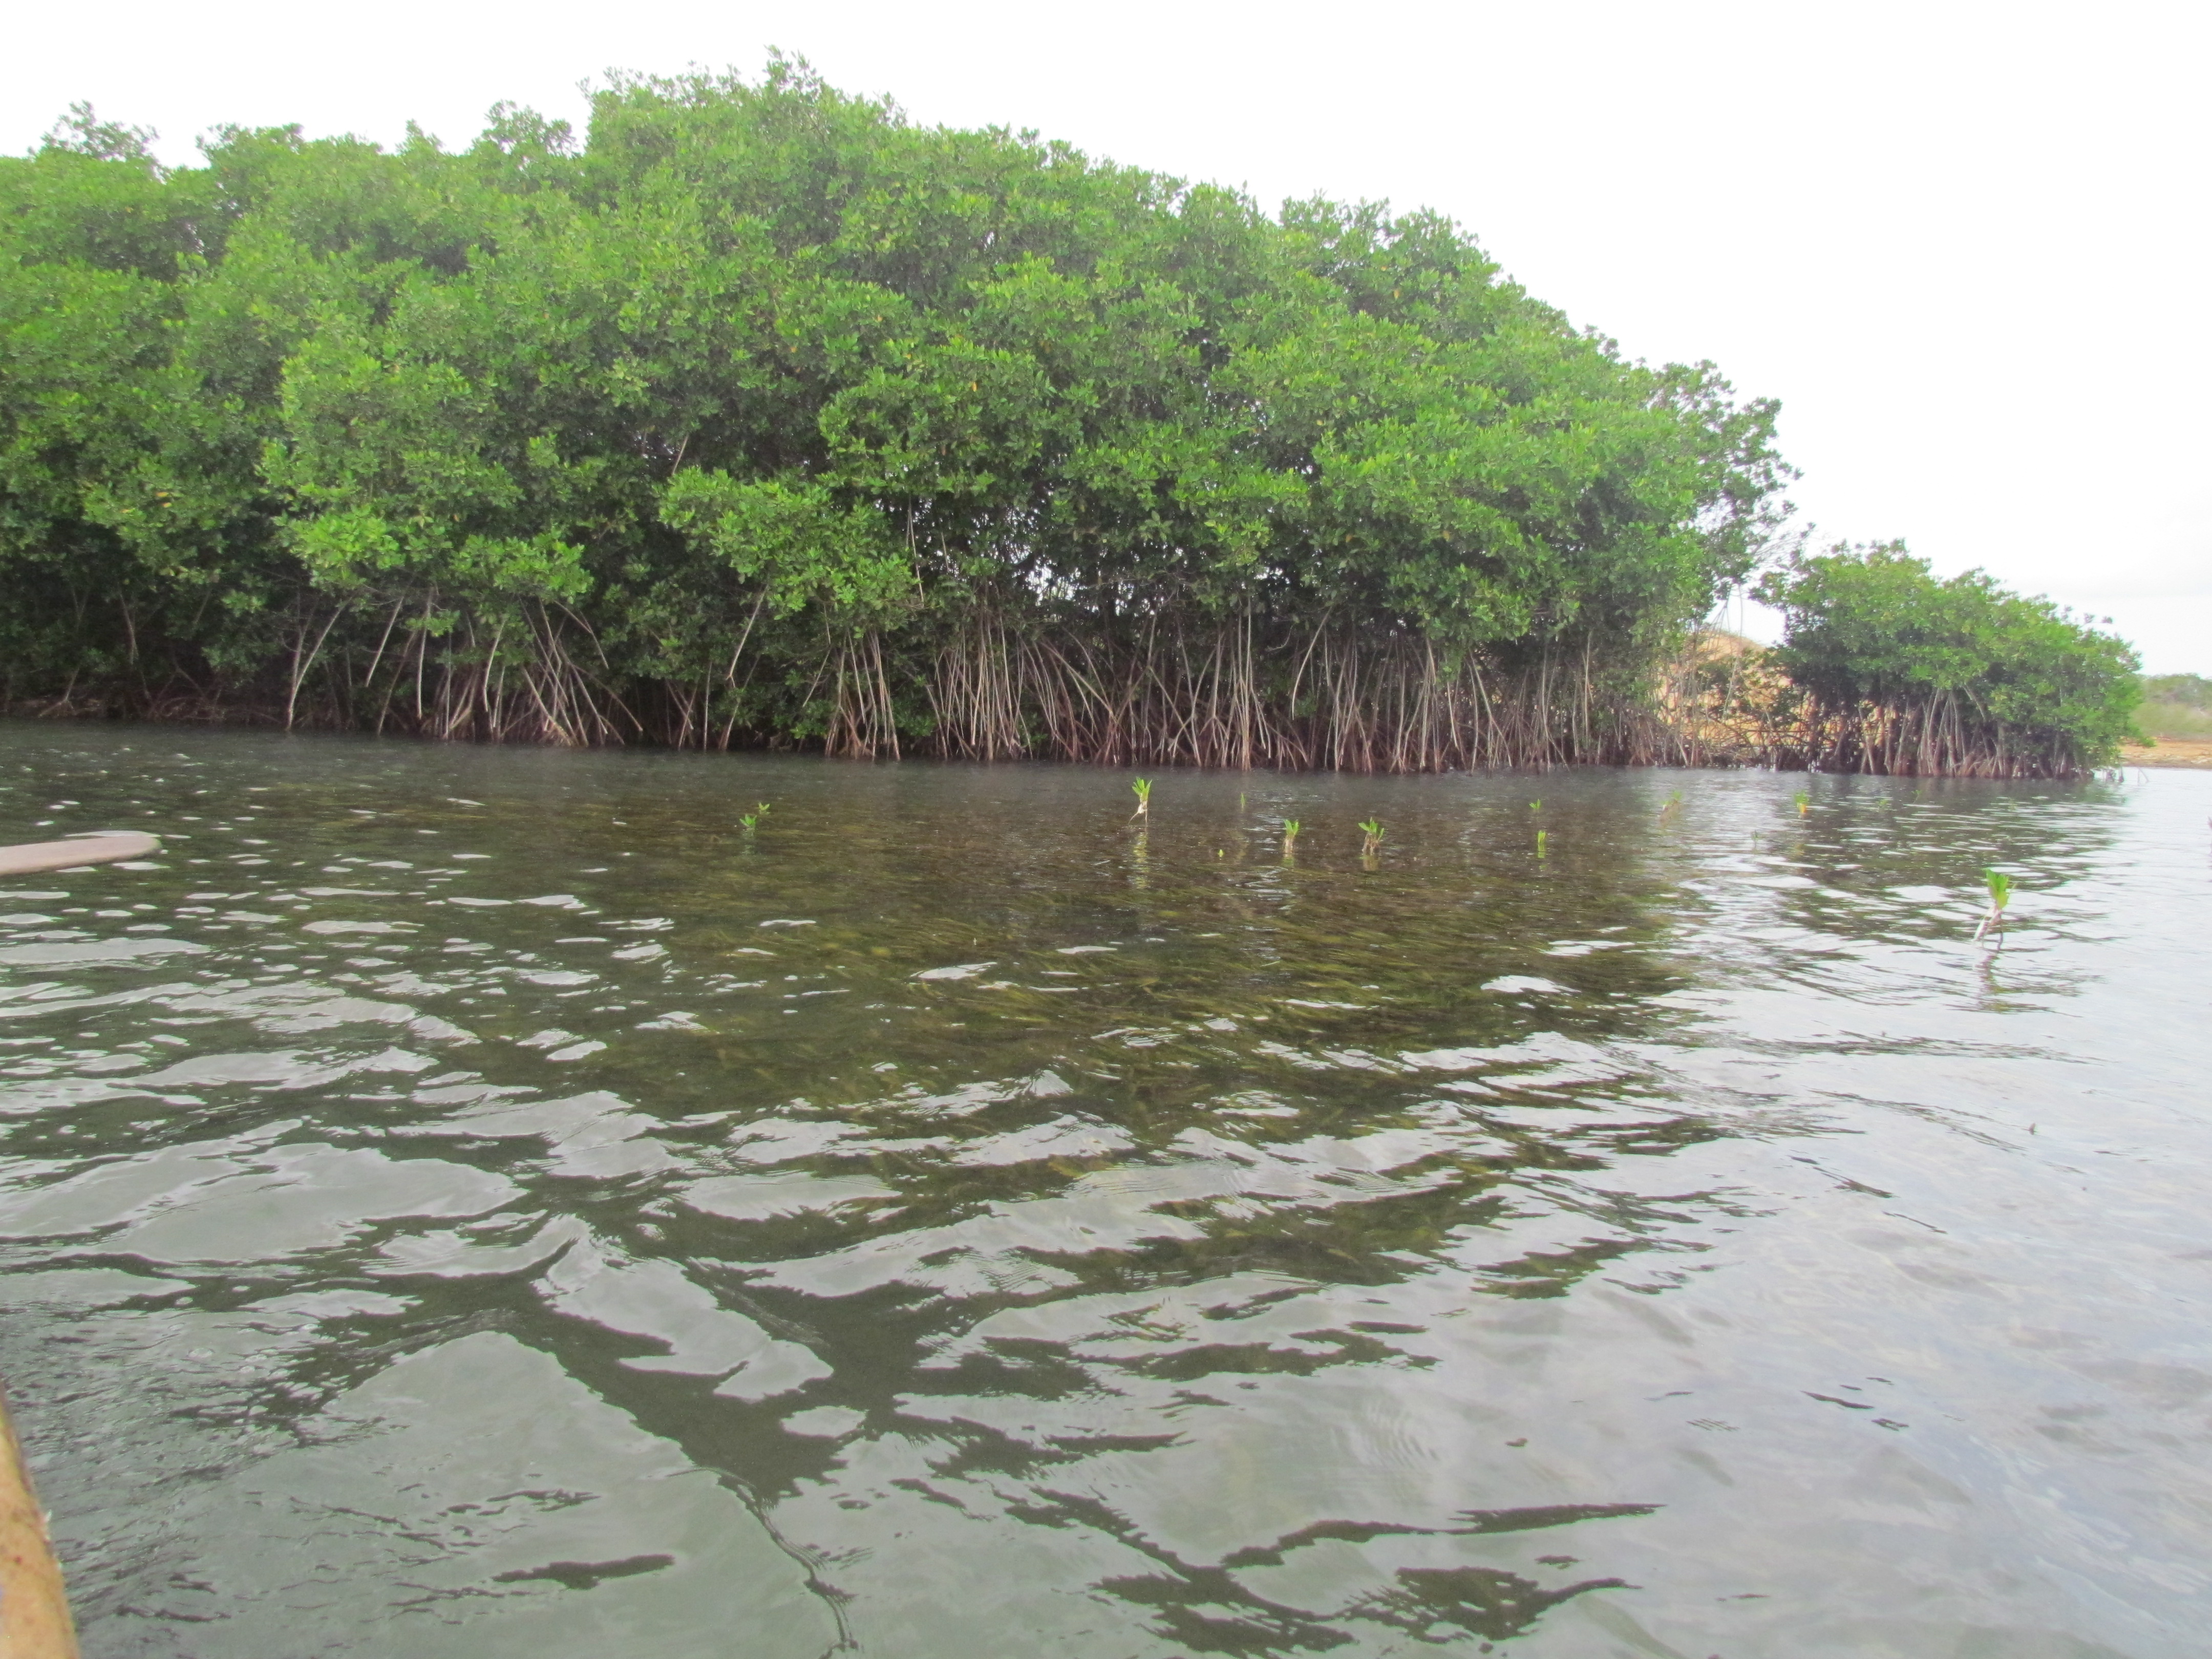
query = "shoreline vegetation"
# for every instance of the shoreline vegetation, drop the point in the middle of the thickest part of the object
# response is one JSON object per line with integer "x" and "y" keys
{"x": 2176, "y": 719}
{"x": 764, "y": 417}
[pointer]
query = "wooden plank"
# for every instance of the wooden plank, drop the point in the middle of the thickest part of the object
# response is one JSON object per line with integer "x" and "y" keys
{"x": 103, "y": 849}
{"x": 35, "y": 1615}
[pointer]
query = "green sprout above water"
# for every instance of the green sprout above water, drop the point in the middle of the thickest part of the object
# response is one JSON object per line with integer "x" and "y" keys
{"x": 1804, "y": 803}
{"x": 1539, "y": 844}
{"x": 1536, "y": 807}
{"x": 1290, "y": 828}
{"x": 2000, "y": 889}
{"x": 1373, "y": 828}
{"x": 751, "y": 820}
{"x": 1143, "y": 790}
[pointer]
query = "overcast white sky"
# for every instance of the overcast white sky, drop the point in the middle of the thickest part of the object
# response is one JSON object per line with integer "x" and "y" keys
{"x": 1967, "y": 244}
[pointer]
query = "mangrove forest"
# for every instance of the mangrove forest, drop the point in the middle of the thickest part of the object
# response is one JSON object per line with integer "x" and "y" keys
{"x": 763, "y": 416}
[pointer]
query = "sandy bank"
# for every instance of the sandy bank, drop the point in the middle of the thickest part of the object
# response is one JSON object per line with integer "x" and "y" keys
{"x": 2171, "y": 751}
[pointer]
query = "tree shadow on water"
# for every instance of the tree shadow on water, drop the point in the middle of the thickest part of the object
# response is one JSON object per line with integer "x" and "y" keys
{"x": 1205, "y": 1609}
{"x": 1431, "y": 1604}
{"x": 1438, "y": 1603}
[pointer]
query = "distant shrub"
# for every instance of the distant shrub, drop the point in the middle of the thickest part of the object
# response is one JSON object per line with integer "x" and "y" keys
{"x": 1910, "y": 674}
{"x": 2175, "y": 706}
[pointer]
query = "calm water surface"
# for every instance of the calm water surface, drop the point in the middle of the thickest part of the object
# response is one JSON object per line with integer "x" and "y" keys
{"x": 464, "y": 1202}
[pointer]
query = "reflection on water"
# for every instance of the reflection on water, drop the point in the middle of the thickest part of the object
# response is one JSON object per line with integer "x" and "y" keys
{"x": 467, "y": 1202}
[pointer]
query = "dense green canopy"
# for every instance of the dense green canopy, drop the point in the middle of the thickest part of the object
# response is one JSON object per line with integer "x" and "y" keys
{"x": 769, "y": 415}
{"x": 1907, "y": 673}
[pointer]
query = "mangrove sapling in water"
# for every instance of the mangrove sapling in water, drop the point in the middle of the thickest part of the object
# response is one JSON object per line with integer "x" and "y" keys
{"x": 1539, "y": 844}
{"x": 1804, "y": 804}
{"x": 1143, "y": 789}
{"x": 1373, "y": 828}
{"x": 2000, "y": 890}
{"x": 1290, "y": 828}
{"x": 751, "y": 820}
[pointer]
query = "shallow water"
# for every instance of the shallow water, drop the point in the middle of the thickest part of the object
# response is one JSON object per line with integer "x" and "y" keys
{"x": 467, "y": 1202}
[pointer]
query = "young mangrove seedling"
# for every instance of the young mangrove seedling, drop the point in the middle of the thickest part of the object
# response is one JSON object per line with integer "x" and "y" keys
{"x": 2000, "y": 886}
{"x": 1539, "y": 844}
{"x": 1290, "y": 828}
{"x": 1804, "y": 803}
{"x": 752, "y": 818}
{"x": 1373, "y": 827}
{"x": 1536, "y": 807}
{"x": 1143, "y": 788}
